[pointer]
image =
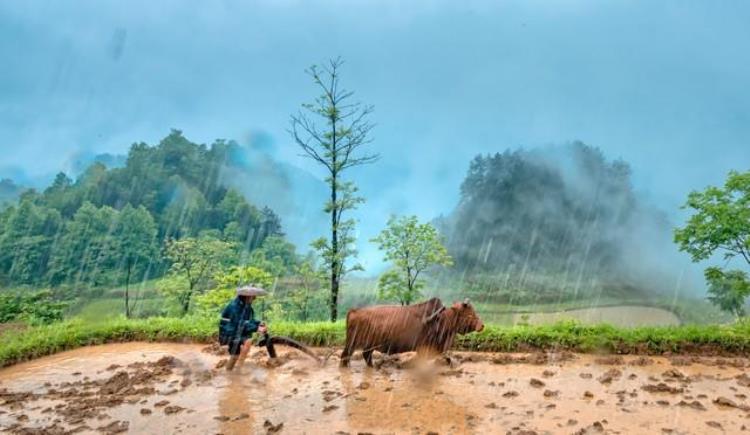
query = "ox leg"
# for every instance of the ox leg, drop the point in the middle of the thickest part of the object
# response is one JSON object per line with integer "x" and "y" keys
{"x": 446, "y": 350}
{"x": 346, "y": 355}
{"x": 367, "y": 355}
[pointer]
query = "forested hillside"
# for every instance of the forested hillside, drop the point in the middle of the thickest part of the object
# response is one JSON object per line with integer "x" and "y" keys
{"x": 556, "y": 221}
{"x": 78, "y": 231}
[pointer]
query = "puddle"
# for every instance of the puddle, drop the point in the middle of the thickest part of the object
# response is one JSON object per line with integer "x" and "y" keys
{"x": 480, "y": 393}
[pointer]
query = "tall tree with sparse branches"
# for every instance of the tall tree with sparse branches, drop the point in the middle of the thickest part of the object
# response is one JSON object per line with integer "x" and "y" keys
{"x": 335, "y": 142}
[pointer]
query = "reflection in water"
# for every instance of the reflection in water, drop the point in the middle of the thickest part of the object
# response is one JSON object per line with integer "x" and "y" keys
{"x": 385, "y": 402}
{"x": 235, "y": 415}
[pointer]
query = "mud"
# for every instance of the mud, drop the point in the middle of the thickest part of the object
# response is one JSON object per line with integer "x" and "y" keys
{"x": 177, "y": 388}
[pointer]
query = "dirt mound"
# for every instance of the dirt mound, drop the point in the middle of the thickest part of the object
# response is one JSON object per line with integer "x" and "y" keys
{"x": 533, "y": 358}
{"x": 609, "y": 376}
{"x": 661, "y": 387}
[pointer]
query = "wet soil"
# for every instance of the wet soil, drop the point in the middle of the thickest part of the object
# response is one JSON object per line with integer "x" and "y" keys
{"x": 177, "y": 388}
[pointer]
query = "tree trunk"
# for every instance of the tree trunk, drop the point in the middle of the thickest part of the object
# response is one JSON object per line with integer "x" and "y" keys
{"x": 304, "y": 306}
{"x": 127, "y": 291}
{"x": 409, "y": 287}
{"x": 334, "y": 222}
{"x": 186, "y": 300}
{"x": 335, "y": 250}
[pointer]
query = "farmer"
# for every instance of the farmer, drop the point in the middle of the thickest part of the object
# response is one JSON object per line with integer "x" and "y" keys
{"x": 238, "y": 323}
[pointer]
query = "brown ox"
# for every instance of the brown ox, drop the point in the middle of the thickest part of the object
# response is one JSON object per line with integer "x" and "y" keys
{"x": 390, "y": 329}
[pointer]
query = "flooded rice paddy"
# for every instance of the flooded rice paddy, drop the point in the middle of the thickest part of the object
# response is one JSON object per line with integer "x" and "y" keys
{"x": 623, "y": 316}
{"x": 182, "y": 388}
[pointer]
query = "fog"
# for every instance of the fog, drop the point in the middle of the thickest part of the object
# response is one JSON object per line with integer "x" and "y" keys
{"x": 563, "y": 219}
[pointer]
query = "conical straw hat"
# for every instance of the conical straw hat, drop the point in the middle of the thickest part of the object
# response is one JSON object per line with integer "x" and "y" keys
{"x": 249, "y": 290}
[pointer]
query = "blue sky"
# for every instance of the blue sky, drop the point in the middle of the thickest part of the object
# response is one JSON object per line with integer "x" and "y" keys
{"x": 665, "y": 85}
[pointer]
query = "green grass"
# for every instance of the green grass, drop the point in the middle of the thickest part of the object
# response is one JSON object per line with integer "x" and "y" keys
{"x": 728, "y": 339}
{"x": 107, "y": 309}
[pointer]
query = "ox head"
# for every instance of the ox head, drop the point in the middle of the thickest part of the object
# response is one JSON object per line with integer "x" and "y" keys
{"x": 467, "y": 319}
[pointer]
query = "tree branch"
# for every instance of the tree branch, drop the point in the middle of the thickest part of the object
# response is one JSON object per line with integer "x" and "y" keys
{"x": 742, "y": 251}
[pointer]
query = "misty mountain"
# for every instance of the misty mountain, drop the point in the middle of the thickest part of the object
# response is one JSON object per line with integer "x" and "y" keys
{"x": 294, "y": 194}
{"x": 72, "y": 230}
{"x": 81, "y": 160}
{"x": 558, "y": 217}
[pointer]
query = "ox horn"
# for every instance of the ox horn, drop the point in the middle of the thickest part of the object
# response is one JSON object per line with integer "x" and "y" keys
{"x": 466, "y": 301}
{"x": 432, "y": 316}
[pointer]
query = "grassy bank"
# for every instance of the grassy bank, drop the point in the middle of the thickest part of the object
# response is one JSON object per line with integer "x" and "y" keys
{"x": 734, "y": 339}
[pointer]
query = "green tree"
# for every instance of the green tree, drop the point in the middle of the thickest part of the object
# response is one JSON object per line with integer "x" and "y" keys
{"x": 36, "y": 307}
{"x": 60, "y": 196}
{"x": 412, "y": 247}
{"x": 276, "y": 255}
{"x": 306, "y": 298}
{"x": 392, "y": 286}
{"x": 182, "y": 217}
{"x": 135, "y": 245}
{"x": 721, "y": 224}
{"x": 195, "y": 261}
{"x": 26, "y": 235}
{"x": 242, "y": 220}
{"x": 336, "y": 146}
{"x": 728, "y": 290}
{"x": 85, "y": 252}
{"x": 721, "y": 221}
{"x": 227, "y": 281}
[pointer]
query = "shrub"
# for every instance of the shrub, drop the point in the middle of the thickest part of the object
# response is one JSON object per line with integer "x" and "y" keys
{"x": 34, "y": 308}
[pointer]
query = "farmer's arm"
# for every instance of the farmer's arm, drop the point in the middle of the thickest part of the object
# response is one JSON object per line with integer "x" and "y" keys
{"x": 228, "y": 322}
{"x": 253, "y": 325}
{"x": 226, "y": 313}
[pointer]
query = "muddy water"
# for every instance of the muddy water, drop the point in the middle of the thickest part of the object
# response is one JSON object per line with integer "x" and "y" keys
{"x": 477, "y": 393}
{"x": 626, "y": 316}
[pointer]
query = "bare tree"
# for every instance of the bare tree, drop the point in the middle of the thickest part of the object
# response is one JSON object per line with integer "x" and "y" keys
{"x": 336, "y": 145}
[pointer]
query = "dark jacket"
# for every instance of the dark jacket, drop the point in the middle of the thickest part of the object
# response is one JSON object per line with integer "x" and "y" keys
{"x": 237, "y": 320}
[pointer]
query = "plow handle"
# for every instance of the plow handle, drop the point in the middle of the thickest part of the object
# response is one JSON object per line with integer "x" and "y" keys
{"x": 266, "y": 341}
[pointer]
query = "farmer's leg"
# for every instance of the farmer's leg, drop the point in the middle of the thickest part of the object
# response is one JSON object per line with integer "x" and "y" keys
{"x": 244, "y": 351}
{"x": 235, "y": 349}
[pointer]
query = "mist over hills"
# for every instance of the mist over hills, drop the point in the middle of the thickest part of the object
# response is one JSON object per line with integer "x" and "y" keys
{"x": 9, "y": 191}
{"x": 293, "y": 193}
{"x": 557, "y": 216}
{"x": 561, "y": 217}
